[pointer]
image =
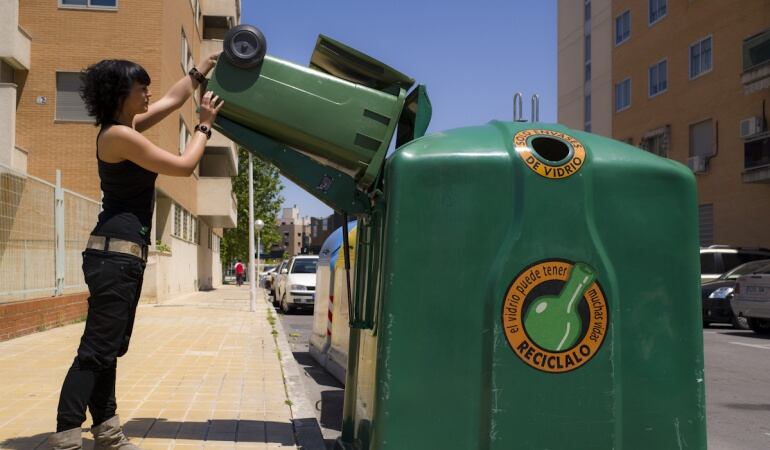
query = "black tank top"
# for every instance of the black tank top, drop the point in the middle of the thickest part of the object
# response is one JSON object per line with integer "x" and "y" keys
{"x": 128, "y": 199}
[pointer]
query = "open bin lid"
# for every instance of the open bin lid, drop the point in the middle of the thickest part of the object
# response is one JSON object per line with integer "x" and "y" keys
{"x": 341, "y": 61}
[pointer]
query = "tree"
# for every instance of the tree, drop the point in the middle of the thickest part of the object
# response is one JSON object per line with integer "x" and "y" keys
{"x": 267, "y": 204}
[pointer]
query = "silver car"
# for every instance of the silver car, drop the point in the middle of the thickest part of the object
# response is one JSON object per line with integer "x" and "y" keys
{"x": 752, "y": 299}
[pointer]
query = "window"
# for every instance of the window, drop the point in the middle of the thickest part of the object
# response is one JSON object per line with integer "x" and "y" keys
{"x": 325, "y": 224}
{"x": 706, "y": 228}
{"x": 756, "y": 152}
{"x": 587, "y": 74}
{"x": 96, "y": 4}
{"x": 623, "y": 95}
{"x": 186, "y": 55}
{"x": 658, "y": 78}
{"x": 654, "y": 145}
{"x": 622, "y": 27}
{"x": 587, "y": 113}
{"x": 707, "y": 263}
{"x": 702, "y": 139}
{"x": 185, "y": 221}
{"x": 304, "y": 266}
{"x": 756, "y": 50}
{"x": 69, "y": 105}
{"x": 657, "y": 141}
{"x": 177, "y": 220}
{"x": 196, "y": 7}
{"x": 700, "y": 57}
{"x": 657, "y": 10}
{"x": 210, "y": 238}
{"x": 184, "y": 136}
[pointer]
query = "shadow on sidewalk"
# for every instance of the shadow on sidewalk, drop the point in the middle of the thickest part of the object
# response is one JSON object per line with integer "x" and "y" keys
{"x": 210, "y": 430}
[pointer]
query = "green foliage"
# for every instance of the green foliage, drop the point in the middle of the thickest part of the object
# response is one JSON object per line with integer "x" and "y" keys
{"x": 161, "y": 247}
{"x": 267, "y": 205}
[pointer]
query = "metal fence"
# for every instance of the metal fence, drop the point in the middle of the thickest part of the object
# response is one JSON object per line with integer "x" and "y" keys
{"x": 43, "y": 230}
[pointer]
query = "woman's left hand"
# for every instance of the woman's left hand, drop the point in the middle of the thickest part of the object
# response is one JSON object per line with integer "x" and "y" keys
{"x": 208, "y": 63}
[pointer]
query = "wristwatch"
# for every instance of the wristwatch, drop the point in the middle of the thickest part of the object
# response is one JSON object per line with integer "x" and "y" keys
{"x": 197, "y": 76}
{"x": 204, "y": 129}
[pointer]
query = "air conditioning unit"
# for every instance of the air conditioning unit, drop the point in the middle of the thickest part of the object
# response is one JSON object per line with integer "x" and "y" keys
{"x": 697, "y": 164}
{"x": 751, "y": 126}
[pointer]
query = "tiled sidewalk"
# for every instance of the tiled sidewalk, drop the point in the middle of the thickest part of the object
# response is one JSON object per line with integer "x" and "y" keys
{"x": 201, "y": 372}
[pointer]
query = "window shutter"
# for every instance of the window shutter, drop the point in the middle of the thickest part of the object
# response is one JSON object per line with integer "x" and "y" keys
{"x": 702, "y": 139}
{"x": 706, "y": 222}
{"x": 69, "y": 105}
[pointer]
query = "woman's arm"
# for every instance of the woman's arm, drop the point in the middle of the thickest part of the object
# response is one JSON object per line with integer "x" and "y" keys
{"x": 127, "y": 143}
{"x": 174, "y": 98}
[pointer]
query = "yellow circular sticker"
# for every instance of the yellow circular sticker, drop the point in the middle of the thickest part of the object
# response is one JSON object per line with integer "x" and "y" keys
{"x": 555, "y": 315}
{"x": 565, "y": 167}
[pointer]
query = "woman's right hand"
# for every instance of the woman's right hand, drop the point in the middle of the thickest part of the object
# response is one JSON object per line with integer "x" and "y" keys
{"x": 210, "y": 106}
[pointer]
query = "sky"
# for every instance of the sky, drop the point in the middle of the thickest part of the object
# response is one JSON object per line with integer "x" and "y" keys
{"x": 472, "y": 55}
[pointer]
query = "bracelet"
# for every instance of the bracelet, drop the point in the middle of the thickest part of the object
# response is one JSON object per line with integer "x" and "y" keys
{"x": 197, "y": 76}
{"x": 204, "y": 129}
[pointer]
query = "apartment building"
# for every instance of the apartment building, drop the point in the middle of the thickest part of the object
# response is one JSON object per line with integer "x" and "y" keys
{"x": 295, "y": 233}
{"x": 689, "y": 81}
{"x": 44, "y": 126}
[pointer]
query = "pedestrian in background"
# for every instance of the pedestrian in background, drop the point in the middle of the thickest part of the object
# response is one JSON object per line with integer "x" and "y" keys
{"x": 239, "y": 271}
{"x": 116, "y": 93}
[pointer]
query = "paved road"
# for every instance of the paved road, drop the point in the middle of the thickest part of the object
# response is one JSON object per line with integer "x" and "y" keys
{"x": 737, "y": 389}
{"x": 322, "y": 389}
{"x": 737, "y": 385}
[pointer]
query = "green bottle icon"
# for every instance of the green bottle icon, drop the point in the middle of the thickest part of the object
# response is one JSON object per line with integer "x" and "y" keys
{"x": 552, "y": 321}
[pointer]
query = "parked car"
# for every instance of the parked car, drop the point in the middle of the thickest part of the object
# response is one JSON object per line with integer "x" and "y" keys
{"x": 275, "y": 281}
{"x": 718, "y": 259}
{"x": 717, "y": 295}
{"x": 297, "y": 287}
{"x": 264, "y": 275}
{"x": 752, "y": 299}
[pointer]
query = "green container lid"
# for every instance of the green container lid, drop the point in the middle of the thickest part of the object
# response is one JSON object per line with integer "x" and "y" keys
{"x": 341, "y": 112}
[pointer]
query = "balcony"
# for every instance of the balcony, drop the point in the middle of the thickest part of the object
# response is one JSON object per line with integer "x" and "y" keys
{"x": 216, "y": 202}
{"x": 756, "y": 62}
{"x": 222, "y": 8}
{"x": 7, "y": 123}
{"x": 15, "y": 44}
{"x": 756, "y": 160}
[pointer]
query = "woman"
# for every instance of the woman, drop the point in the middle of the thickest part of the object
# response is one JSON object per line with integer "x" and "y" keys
{"x": 117, "y": 95}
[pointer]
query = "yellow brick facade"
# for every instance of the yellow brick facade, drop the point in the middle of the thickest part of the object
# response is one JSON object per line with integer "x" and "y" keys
{"x": 148, "y": 32}
{"x": 741, "y": 211}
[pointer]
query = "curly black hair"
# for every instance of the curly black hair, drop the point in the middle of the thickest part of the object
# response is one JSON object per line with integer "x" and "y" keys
{"x": 106, "y": 85}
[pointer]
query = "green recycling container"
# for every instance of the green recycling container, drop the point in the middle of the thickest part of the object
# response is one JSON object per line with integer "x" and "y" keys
{"x": 342, "y": 110}
{"x": 527, "y": 286}
{"x": 517, "y": 285}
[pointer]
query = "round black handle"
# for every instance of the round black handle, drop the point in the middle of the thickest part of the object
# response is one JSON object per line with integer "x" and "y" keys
{"x": 245, "y": 46}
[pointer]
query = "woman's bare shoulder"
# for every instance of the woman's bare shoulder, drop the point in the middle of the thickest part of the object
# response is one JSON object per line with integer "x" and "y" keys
{"x": 113, "y": 141}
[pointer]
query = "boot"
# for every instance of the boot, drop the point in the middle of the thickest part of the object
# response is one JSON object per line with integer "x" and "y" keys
{"x": 66, "y": 440}
{"x": 109, "y": 436}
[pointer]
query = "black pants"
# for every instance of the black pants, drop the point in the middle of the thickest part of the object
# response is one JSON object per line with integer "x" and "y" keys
{"x": 115, "y": 282}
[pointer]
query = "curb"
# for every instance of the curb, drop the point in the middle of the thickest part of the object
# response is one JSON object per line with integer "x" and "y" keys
{"x": 307, "y": 430}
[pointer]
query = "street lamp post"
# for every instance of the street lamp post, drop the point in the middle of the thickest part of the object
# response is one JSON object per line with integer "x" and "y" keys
{"x": 258, "y": 225}
{"x": 252, "y": 284}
